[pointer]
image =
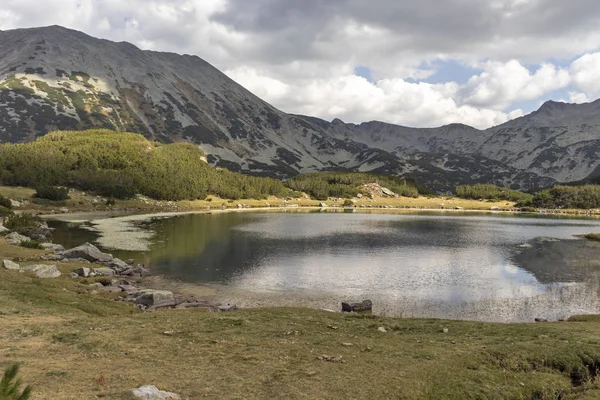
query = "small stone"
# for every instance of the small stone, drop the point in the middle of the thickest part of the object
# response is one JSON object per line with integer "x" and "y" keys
{"x": 151, "y": 392}
{"x": 104, "y": 271}
{"x": 53, "y": 247}
{"x": 228, "y": 307}
{"x": 382, "y": 329}
{"x": 10, "y": 265}
{"x": 73, "y": 275}
{"x": 83, "y": 272}
{"x": 15, "y": 238}
{"x": 347, "y": 344}
{"x": 130, "y": 261}
{"x": 445, "y": 330}
{"x": 540, "y": 320}
{"x": 96, "y": 285}
{"x": 3, "y": 229}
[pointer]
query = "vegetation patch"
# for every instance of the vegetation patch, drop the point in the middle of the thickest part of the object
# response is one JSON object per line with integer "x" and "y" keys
{"x": 491, "y": 192}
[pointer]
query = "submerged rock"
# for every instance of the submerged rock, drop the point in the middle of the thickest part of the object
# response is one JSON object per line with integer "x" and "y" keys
{"x": 89, "y": 252}
{"x": 10, "y": 265}
{"x": 43, "y": 271}
{"x": 151, "y": 392}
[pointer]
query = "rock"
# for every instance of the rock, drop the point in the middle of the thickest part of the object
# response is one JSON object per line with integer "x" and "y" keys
{"x": 540, "y": 320}
{"x": 73, "y": 275}
{"x": 118, "y": 265}
{"x": 111, "y": 289}
{"x": 322, "y": 204}
{"x": 387, "y": 192}
{"x": 83, "y": 272}
{"x": 53, "y": 247}
{"x": 10, "y": 265}
{"x": 96, "y": 285}
{"x": 359, "y": 196}
{"x": 445, "y": 330}
{"x": 494, "y": 208}
{"x": 15, "y": 238}
{"x": 70, "y": 260}
{"x": 130, "y": 289}
{"x": 228, "y": 307}
{"x": 42, "y": 232}
{"x": 151, "y": 392}
{"x": 3, "y": 230}
{"x": 130, "y": 261}
{"x": 43, "y": 271}
{"x": 366, "y": 305}
{"x": 104, "y": 271}
{"x": 63, "y": 210}
{"x": 382, "y": 329}
{"x": 526, "y": 246}
{"x": 458, "y": 208}
{"x": 15, "y": 203}
{"x": 89, "y": 252}
{"x": 151, "y": 297}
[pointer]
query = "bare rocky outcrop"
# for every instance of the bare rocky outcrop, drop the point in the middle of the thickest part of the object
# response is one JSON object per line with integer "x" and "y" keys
{"x": 43, "y": 271}
{"x": 10, "y": 265}
{"x": 151, "y": 392}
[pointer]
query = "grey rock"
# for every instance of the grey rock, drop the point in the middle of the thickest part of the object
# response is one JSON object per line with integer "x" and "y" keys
{"x": 89, "y": 252}
{"x": 151, "y": 392}
{"x": 111, "y": 289}
{"x": 96, "y": 285}
{"x": 53, "y": 246}
{"x": 130, "y": 289}
{"x": 70, "y": 260}
{"x": 15, "y": 203}
{"x": 365, "y": 305}
{"x": 322, "y": 204}
{"x": 43, "y": 271}
{"x": 130, "y": 261}
{"x": 387, "y": 192}
{"x": 83, "y": 272}
{"x": 10, "y": 265}
{"x": 118, "y": 265}
{"x": 3, "y": 229}
{"x": 104, "y": 271}
{"x": 494, "y": 208}
{"x": 73, "y": 275}
{"x": 228, "y": 307}
{"x": 151, "y": 297}
{"x": 15, "y": 238}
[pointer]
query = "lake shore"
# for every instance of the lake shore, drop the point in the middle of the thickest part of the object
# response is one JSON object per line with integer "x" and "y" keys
{"x": 75, "y": 343}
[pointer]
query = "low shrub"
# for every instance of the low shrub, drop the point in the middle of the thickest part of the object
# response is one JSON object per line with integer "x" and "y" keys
{"x": 31, "y": 244}
{"x": 10, "y": 385}
{"x": 55, "y": 193}
{"x": 348, "y": 203}
{"x": 24, "y": 224}
{"x": 5, "y": 202}
{"x": 5, "y": 212}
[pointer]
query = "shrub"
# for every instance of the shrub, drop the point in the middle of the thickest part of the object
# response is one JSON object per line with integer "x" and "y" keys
{"x": 5, "y": 212}
{"x": 5, "y": 202}
{"x": 348, "y": 203}
{"x": 31, "y": 244}
{"x": 491, "y": 192}
{"x": 582, "y": 197}
{"x": 55, "y": 193}
{"x": 24, "y": 224}
{"x": 10, "y": 385}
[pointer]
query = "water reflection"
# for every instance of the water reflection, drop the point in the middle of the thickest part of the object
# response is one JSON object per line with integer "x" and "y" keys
{"x": 475, "y": 267}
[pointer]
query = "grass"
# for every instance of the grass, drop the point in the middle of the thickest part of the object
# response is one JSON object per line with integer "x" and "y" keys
{"x": 592, "y": 236}
{"x": 75, "y": 344}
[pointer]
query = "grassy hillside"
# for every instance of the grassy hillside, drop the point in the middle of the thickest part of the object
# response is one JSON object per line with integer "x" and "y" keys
{"x": 117, "y": 164}
{"x": 76, "y": 344}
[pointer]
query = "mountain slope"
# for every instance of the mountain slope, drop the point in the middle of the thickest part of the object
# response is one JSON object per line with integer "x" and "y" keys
{"x": 55, "y": 78}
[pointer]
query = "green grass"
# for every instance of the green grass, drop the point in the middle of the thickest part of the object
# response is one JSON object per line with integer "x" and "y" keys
{"x": 75, "y": 344}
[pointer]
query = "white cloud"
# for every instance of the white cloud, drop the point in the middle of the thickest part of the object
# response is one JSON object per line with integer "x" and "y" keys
{"x": 504, "y": 83}
{"x": 586, "y": 75}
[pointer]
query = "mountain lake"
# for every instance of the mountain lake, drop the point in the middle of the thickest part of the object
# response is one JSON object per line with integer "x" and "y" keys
{"x": 486, "y": 267}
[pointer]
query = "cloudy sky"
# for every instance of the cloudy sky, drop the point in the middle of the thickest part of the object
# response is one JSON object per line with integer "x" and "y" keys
{"x": 416, "y": 63}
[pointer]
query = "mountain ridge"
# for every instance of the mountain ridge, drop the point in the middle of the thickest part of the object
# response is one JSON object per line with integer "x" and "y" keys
{"x": 57, "y": 78}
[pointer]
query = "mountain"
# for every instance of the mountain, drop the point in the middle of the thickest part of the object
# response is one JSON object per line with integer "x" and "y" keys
{"x": 56, "y": 78}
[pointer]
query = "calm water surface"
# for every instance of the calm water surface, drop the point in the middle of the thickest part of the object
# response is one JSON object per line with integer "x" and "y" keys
{"x": 483, "y": 267}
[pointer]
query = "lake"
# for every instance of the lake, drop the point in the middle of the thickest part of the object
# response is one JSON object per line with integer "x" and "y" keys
{"x": 488, "y": 267}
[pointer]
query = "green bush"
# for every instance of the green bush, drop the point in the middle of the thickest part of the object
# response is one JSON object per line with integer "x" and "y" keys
{"x": 55, "y": 193}
{"x": 322, "y": 185}
{"x": 31, "y": 244}
{"x": 10, "y": 385}
{"x": 24, "y": 223}
{"x": 5, "y": 202}
{"x": 348, "y": 203}
{"x": 5, "y": 212}
{"x": 561, "y": 197}
{"x": 491, "y": 192}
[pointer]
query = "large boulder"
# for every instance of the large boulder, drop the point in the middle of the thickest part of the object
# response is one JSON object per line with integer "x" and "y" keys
{"x": 151, "y": 297}
{"x": 88, "y": 252}
{"x": 15, "y": 238}
{"x": 83, "y": 272}
{"x": 3, "y": 229}
{"x": 151, "y": 392}
{"x": 104, "y": 271}
{"x": 118, "y": 265}
{"x": 43, "y": 271}
{"x": 10, "y": 265}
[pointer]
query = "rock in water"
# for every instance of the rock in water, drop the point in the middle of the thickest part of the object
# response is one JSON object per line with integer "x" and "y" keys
{"x": 89, "y": 252}
{"x": 151, "y": 297}
{"x": 43, "y": 271}
{"x": 10, "y": 265}
{"x": 151, "y": 392}
{"x": 366, "y": 305}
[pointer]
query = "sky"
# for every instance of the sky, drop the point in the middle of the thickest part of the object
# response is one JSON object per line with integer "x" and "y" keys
{"x": 415, "y": 63}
